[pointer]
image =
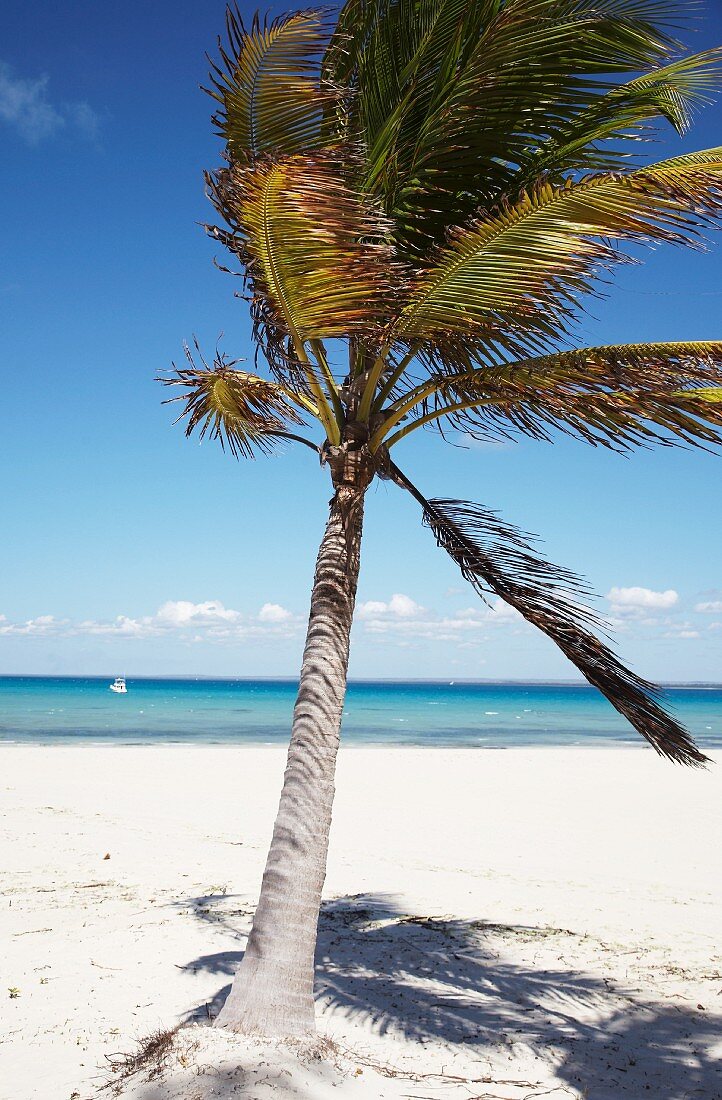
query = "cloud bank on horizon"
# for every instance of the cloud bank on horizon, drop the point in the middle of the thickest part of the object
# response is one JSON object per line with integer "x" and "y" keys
{"x": 399, "y": 617}
{"x": 206, "y": 621}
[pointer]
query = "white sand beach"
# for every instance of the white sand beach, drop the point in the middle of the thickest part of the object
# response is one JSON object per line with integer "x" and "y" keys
{"x": 499, "y": 924}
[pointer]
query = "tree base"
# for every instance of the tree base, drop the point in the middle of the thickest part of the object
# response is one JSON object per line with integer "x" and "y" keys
{"x": 267, "y": 1006}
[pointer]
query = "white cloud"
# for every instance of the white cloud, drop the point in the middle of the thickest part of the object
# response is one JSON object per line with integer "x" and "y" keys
{"x": 122, "y": 626}
{"x": 496, "y": 612}
{"x": 685, "y": 632}
{"x": 24, "y": 105}
{"x": 709, "y": 607}
{"x": 504, "y": 612}
{"x": 274, "y": 613}
{"x": 372, "y": 608}
{"x": 183, "y": 612}
{"x": 84, "y": 120}
{"x": 43, "y": 624}
{"x": 402, "y": 619}
{"x": 399, "y": 606}
{"x": 632, "y": 601}
{"x": 404, "y": 606}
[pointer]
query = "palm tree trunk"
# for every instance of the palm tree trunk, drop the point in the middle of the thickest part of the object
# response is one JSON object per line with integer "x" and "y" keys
{"x": 272, "y": 992}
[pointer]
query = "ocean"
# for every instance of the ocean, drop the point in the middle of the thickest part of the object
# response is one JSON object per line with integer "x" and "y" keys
{"x": 50, "y": 710}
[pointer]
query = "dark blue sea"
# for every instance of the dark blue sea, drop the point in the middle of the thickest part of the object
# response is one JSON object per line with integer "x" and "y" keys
{"x": 49, "y": 710}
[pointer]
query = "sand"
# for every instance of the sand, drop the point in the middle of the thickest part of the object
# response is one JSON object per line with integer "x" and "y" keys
{"x": 519, "y": 923}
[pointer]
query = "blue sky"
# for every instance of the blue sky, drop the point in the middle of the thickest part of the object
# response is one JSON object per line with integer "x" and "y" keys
{"x": 127, "y": 548}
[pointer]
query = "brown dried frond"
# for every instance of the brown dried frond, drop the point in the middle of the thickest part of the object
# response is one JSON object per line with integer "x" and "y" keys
{"x": 498, "y": 558}
{"x": 317, "y": 255}
{"x": 241, "y": 410}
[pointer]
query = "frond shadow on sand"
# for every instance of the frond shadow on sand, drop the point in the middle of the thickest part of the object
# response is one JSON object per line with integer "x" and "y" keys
{"x": 474, "y": 985}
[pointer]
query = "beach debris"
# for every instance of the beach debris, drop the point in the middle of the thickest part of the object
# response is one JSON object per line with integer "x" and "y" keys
{"x": 107, "y": 855}
{"x": 14, "y": 992}
{"x": 153, "y": 1056}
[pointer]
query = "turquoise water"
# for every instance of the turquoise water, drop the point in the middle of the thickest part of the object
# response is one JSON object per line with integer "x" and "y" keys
{"x": 55, "y": 710}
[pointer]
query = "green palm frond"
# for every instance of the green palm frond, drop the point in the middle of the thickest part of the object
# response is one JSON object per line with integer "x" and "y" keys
{"x": 451, "y": 99}
{"x": 315, "y": 252}
{"x": 244, "y": 412}
{"x": 500, "y": 559}
{"x": 394, "y": 54}
{"x": 267, "y": 85}
{"x": 709, "y": 395}
{"x": 672, "y": 92}
{"x": 522, "y": 269}
{"x": 618, "y": 396}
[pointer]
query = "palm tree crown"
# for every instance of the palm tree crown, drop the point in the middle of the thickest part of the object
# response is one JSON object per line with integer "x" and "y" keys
{"x": 433, "y": 187}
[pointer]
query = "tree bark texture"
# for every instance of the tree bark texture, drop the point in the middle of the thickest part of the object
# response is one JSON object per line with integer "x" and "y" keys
{"x": 272, "y": 992}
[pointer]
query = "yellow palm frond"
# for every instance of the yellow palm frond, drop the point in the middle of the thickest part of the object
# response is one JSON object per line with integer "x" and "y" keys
{"x": 521, "y": 269}
{"x": 314, "y": 250}
{"x": 617, "y": 396}
{"x": 242, "y": 411}
{"x": 268, "y": 85}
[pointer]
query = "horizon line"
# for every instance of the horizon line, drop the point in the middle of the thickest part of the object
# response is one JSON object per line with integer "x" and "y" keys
{"x": 440, "y": 680}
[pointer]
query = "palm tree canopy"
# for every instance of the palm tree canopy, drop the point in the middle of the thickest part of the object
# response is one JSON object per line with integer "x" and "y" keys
{"x": 437, "y": 186}
{"x": 441, "y": 183}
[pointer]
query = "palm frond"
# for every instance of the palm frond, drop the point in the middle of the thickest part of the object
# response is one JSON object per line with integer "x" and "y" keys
{"x": 243, "y": 411}
{"x": 498, "y": 558}
{"x": 450, "y": 119}
{"x": 394, "y": 54}
{"x": 618, "y": 396}
{"x": 672, "y": 92}
{"x": 268, "y": 84}
{"x": 522, "y": 269}
{"x": 315, "y": 253}
{"x": 709, "y": 395}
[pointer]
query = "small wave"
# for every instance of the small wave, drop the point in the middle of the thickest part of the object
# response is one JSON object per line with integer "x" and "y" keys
{"x": 491, "y": 712}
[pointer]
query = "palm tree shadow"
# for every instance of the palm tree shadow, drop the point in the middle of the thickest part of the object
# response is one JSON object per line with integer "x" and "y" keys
{"x": 452, "y": 981}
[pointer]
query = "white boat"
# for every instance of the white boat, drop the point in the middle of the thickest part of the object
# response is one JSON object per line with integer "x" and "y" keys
{"x": 118, "y": 685}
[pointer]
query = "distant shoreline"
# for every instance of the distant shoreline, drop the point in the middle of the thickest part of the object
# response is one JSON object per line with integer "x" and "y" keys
{"x": 678, "y": 685}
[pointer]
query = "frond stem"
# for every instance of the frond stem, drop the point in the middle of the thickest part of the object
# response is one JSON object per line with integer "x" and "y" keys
{"x": 299, "y": 399}
{"x": 375, "y": 373}
{"x": 296, "y": 439}
{"x": 379, "y": 435}
{"x": 388, "y": 386}
{"x": 320, "y": 352}
{"x": 325, "y": 413}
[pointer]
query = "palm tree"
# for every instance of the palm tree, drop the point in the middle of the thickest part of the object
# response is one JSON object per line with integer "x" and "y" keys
{"x": 419, "y": 197}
